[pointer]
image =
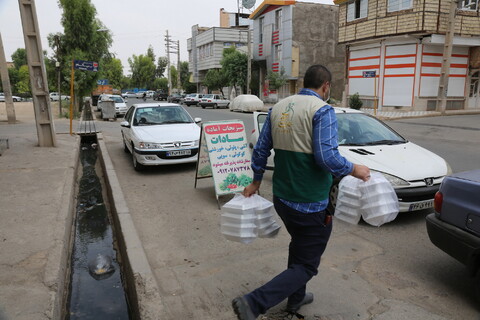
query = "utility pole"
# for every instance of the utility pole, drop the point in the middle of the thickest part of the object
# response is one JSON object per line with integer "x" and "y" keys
{"x": 57, "y": 65}
{"x": 447, "y": 55}
{"x": 167, "y": 48}
{"x": 38, "y": 75}
{"x": 172, "y": 47}
{"x": 7, "y": 90}
{"x": 249, "y": 67}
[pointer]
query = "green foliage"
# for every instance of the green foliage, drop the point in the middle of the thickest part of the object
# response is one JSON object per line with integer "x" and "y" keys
{"x": 112, "y": 70}
{"x": 161, "y": 67}
{"x": 235, "y": 67}
{"x": 23, "y": 84}
{"x": 161, "y": 84}
{"x": 355, "y": 102}
{"x": 19, "y": 58}
{"x": 143, "y": 71}
{"x": 125, "y": 82}
{"x": 215, "y": 79}
{"x": 184, "y": 76}
{"x": 232, "y": 182}
{"x": 277, "y": 79}
{"x": 174, "y": 76}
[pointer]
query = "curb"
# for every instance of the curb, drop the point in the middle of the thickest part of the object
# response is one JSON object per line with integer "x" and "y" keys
{"x": 142, "y": 288}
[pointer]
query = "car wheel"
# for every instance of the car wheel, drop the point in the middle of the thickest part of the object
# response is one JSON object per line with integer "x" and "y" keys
{"x": 332, "y": 197}
{"x": 215, "y": 106}
{"x": 137, "y": 166}
{"x": 203, "y": 107}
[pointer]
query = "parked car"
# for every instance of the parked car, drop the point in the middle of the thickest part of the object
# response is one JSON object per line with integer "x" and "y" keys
{"x": 160, "y": 95}
{"x": 128, "y": 94}
{"x": 120, "y": 105}
{"x": 213, "y": 100}
{"x": 139, "y": 94}
{"x": 192, "y": 99}
{"x": 54, "y": 96}
{"x": 174, "y": 98}
{"x": 246, "y": 103}
{"x": 160, "y": 134}
{"x": 14, "y": 98}
{"x": 454, "y": 227}
{"x": 414, "y": 172}
{"x": 150, "y": 93}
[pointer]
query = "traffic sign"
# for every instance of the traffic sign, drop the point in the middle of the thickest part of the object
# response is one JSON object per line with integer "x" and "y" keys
{"x": 85, "y": 65}
{"x": 369, "y": 74}
{"x": 102, "y": 82}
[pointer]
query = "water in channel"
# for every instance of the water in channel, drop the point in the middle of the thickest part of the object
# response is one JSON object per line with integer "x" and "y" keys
{"x": 96, "y": 290}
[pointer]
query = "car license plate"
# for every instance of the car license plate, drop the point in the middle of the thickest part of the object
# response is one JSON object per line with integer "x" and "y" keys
{"x": 421, "y": 205}
{"x": 177, "y": 153}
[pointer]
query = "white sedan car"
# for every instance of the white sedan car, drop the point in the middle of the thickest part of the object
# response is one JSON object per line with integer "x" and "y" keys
{"x": 159, "y": 134}
{"x": 14, "y": 98}
{"x": 246, "y": 103}
{"x": 414, "y": 172}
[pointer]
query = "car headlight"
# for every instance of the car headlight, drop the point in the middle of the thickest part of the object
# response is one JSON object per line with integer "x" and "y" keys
{"x": 149, "y": 145}
{"x": 196, "y": 143}
{"x": 395, "y": 181}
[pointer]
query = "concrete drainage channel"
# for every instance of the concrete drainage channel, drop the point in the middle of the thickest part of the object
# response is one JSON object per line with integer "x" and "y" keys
{"x": 109, "y": 275}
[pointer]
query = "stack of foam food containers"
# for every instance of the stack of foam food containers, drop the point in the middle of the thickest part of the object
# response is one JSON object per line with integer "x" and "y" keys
{"x": 267, "y": 226}
{"x": 238, "y": 219}
{"x": 349, "y": 200}
{"x": 380, "y": 202}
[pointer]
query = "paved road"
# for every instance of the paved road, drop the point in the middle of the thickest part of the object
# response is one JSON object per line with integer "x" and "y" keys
{"x": 391, "y": 272}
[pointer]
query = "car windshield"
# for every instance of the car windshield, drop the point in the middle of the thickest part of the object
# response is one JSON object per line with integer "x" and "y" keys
{"x": 358, "y": 129}
{"x": 117, "y": 99}
{"x": 208, "y": 96}
{"x": 160, "y": 115}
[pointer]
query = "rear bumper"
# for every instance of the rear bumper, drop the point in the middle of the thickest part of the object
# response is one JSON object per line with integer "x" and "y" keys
{"x": 461, "y": 245}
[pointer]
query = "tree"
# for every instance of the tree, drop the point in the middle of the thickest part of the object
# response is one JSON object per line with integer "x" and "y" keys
{"x": 161, "y": 67}
{"x": 277, "y": 79}
{"x": 23, "y": 84}
{"x": 161, "y": 84}
{"x": 143, "y": 71}
{"x": 112, "y": 70}
{"x": 185, "y": 78}
{"x": 19, "y": 58}
{"x": 80, "y": 40}
{"x": 150, "y": 53}
{"x": 215, "y": 79}
{"x": 235, "y": 67}
{"x": 174, "y": 76}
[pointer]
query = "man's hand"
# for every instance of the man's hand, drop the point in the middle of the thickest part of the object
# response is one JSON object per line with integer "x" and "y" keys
{"x": 251, "y": 188}
{"x": 361, "y": 172}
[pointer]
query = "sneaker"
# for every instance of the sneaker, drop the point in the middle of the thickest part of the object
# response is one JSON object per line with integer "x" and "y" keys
{"x": 293, "y": 308}
{"x": 242, "y": 309}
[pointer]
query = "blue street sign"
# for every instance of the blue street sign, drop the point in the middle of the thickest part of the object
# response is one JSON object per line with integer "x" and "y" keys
{"x": 102, "y": 82}
{"x": 85, "y": 65}
{"x": 369, "y": 74}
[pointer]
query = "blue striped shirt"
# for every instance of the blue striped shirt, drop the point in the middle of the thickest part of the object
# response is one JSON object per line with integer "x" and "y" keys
{"x": 325, "y": 149}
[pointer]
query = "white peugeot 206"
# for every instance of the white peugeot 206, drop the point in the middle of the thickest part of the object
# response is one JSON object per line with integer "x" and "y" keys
{"x": 414, "y": 172}
{"x": 159, "y": 134}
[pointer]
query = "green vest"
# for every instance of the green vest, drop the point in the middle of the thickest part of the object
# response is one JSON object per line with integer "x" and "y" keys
{"x": 297, "y": 177}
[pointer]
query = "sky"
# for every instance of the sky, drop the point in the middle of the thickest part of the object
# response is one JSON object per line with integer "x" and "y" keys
{"x": 135, "y": 25}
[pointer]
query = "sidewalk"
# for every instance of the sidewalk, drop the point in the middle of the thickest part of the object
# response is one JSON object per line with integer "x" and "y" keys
{"x": 37, "y": 188}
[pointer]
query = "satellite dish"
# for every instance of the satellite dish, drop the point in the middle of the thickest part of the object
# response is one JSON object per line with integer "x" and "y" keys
{"x": 248, "y": 4}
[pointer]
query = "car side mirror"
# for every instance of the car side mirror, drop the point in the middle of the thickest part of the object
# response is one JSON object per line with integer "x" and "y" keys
{"x": 125, "y": 124}
{"x": 197, "y": 120}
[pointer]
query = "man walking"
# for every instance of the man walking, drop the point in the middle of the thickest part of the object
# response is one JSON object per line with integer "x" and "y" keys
{"x": 302, "y": 129}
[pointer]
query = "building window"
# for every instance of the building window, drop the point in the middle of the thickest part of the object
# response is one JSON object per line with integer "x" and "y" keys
{"x": 397, "y": 5}
{"x": 278, "y": 19}
{"x": 260, "y": 29}
{"x": 357, "y": 9}
{"x": 468, "y": 4}
{"x": 474, "y": 84}
{"x": 278, "y": 52}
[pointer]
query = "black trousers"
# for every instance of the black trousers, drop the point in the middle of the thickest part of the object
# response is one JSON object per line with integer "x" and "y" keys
{"x": 309, "y": 238}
